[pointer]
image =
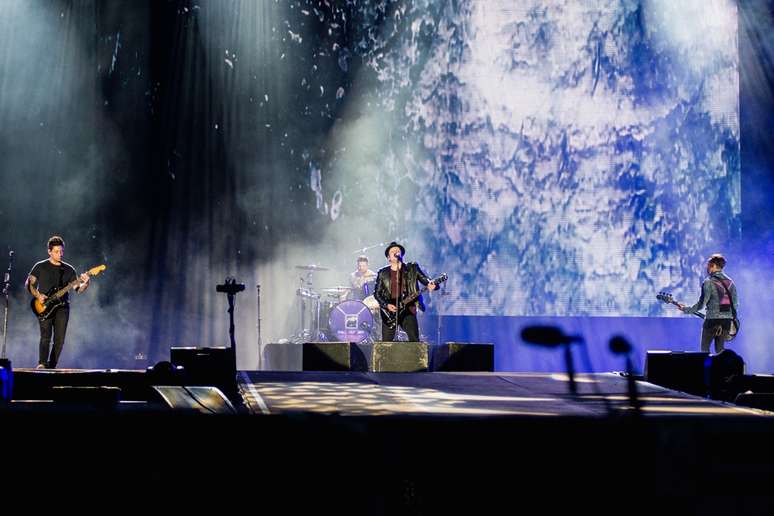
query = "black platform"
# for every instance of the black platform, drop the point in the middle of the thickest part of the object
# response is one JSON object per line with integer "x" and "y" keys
{"x": 379, "y": 356}
{"x": 410, "y": 443}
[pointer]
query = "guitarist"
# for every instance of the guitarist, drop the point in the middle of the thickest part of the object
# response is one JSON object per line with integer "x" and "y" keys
{"x": 46, "y": 276}
{"x": 718, "y": 293}
{"x": 394, "y": 282}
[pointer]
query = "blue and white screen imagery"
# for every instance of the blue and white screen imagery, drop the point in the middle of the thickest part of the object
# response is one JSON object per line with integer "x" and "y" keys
{"x": 571, "y": 158}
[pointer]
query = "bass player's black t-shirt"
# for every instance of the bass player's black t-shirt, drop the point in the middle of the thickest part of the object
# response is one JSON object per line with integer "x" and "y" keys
{"x": 52, "y": 276}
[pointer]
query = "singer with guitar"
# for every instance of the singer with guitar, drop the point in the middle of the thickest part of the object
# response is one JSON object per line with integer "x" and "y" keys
{"x": 48, "y": 276}
{"x": 718, "y": 293}
{"x": 394, "y": 283}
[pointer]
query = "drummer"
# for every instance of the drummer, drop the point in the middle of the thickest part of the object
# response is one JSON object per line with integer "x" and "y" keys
{"x": 362, "y": 280}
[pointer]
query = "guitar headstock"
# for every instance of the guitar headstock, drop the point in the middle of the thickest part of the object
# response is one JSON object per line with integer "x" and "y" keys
{"x": 666, "y": 297}
{"x": 96, "y": 270}
{"x": 440, "y": 279}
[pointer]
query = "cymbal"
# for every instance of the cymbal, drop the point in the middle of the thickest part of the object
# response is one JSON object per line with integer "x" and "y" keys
{"x": 312, "y": 267}
{"x": 336, "y": 290}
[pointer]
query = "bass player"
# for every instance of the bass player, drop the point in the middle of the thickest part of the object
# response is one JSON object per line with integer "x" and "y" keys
{"x": 47, "y": 276}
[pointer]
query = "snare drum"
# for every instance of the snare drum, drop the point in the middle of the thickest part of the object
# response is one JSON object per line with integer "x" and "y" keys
{"x": 350, "y": 321}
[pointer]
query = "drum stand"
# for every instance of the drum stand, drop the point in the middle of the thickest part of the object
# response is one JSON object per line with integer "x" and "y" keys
{"x": 309, "y": 300}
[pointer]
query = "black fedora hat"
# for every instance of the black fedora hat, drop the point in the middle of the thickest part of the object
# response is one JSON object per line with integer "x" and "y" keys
{"x": 394, "y": 244}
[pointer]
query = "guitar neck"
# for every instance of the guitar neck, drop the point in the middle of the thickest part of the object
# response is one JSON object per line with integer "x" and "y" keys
{"x": 699, "y": 315}
{"x": 413, "y": 297}
{"x": 61, "y": 292}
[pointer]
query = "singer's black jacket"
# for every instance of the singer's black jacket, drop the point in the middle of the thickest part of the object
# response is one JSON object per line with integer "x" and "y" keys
{"x": 410, "y": 275}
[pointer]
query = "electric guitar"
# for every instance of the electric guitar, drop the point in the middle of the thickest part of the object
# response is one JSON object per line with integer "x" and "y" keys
{"x": 54, "y": 297}
{"x": 666, "y": 297}
{"x": 391, "y": 318}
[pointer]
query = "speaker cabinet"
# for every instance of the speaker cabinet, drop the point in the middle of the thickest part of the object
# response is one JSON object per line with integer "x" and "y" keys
{"x": 282, "y": 356}
{"x": 678, "y": 370}
{"x": 463, "y": 356}
{"x": 207, "y": 400}
{"x": 326, "y": 356}
{"x": 377, "y": 357}
{"x": 207, "y": 366}
{"x": 396, "y": 357}
{"x": 98, "y": 397}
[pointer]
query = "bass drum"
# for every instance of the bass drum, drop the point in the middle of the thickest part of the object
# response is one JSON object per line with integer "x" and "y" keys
{"x": 350, "y": 321}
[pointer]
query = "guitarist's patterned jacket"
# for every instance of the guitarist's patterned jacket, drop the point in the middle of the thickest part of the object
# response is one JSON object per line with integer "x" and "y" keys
{"x": 410, "y": 272}
{"x": 714, "y": 296}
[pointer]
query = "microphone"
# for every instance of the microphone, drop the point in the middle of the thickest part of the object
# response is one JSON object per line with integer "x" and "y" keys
{"x": 230, "y": 286}
{"x": 549, "y": 336}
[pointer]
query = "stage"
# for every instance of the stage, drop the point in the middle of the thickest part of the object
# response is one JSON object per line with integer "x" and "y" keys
{"x": 240, "y": 201}
{"x": 437, "y": 394}
{"x": 468, "y": 394}
{"x": 407, "y": 442}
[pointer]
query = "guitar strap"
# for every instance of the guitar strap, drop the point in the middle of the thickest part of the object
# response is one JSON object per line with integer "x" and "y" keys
{"x": 731, "y": 300}
{"x": 733, "y": 310}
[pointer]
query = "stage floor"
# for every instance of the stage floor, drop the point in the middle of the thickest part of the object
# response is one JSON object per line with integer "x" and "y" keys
{"x": 477, "y": 394}
{"x": 467, "y": 394}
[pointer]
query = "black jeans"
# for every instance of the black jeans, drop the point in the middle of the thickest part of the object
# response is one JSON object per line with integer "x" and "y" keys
{"x": 717, "y": 330}
{"x": 58, "y": 324}
{"x": 408, "y": 322}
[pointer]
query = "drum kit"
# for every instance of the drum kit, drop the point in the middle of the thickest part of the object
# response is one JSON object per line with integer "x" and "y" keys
{"x": 338, "y": 313}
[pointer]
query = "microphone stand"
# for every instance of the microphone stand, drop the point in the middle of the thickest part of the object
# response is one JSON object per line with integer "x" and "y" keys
{"x": 6, "y": 288}
{"x": 230, "y": 287}
{"x": 6, "y": 371}
{"x": 258, "y": 310}
{"x": 397, "y": 301}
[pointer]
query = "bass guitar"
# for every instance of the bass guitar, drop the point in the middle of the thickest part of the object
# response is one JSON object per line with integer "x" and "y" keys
{"x": 391, "y": 318}
{"x": 666, "y": 297}
{"x": 54, "y": 297}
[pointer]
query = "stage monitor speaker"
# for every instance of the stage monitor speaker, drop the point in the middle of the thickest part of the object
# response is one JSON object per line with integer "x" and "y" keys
{"x": 326, "y": 356}
{"x": 678, "y": 370}
{"x": 207, "y": 400}
{"x": 99, "y": 397}
{"x": 396, "y": 357}
{"x": 463, "y": 356}
{"x": 207, "y": 366}
{"x": 282, "y": 356}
